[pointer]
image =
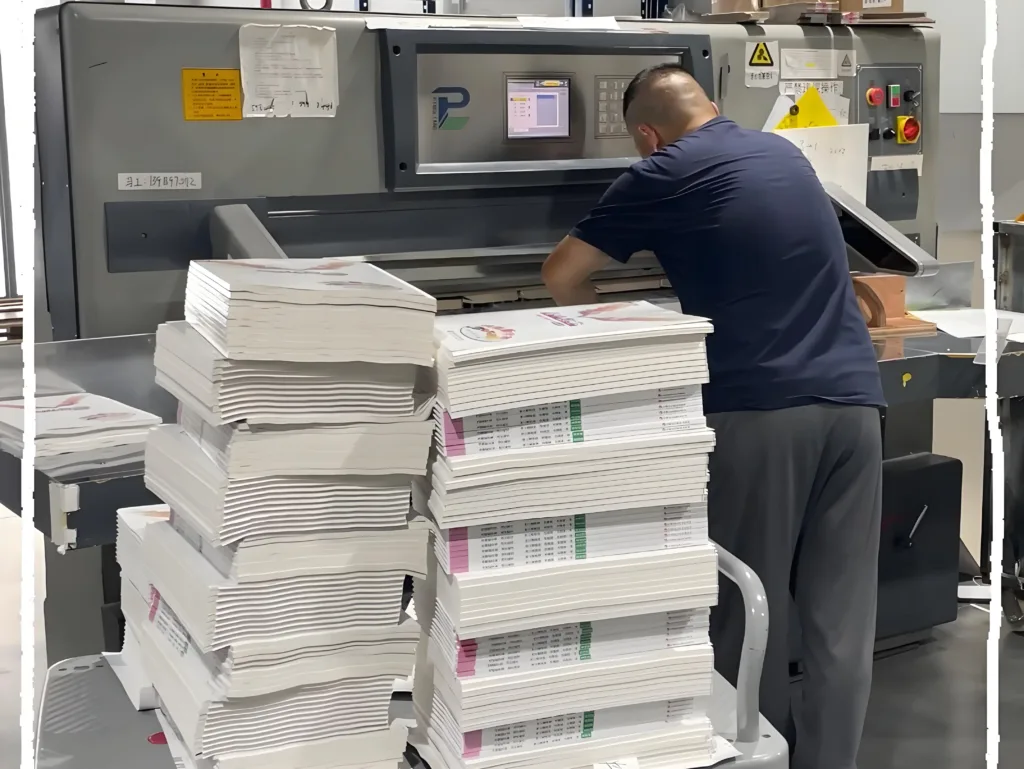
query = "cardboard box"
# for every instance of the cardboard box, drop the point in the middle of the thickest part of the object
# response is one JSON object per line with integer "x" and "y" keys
{"x": 871, "y": 6}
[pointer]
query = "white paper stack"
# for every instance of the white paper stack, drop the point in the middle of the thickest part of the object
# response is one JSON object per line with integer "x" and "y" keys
{"x": 569, "y": 624}
{"x": 228, "y": 509}
{"x": 274, "y": 628}
{"x": 507, "y": 360}
{"x": 309, "y": 310}
{"x": 221, "y": 390}
{"x": 128, "y": 664}
{"x": 80, "y": 432}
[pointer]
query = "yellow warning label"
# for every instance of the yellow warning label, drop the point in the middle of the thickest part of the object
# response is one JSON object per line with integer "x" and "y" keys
{"x": 810, "y": 111}
{"x": 761, "y": 57}
{"x": 211, "y": 94}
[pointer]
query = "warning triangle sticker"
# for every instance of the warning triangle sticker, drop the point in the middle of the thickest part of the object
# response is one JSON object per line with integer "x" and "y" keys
{"x": 846, "y": 61}
{"x": 761, "y": 57}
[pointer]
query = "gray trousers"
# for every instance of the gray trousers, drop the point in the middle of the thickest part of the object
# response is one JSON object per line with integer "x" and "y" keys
{"x": 797, "y": 494}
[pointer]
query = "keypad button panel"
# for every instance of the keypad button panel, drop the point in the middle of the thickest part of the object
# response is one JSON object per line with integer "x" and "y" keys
{"x": 608, "y": 120}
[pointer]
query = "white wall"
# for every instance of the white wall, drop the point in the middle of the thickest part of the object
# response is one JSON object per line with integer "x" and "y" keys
{"x": 962, "y": 26}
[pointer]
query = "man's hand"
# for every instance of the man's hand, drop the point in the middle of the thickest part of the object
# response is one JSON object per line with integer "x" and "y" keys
{"x": 567, "y": 272}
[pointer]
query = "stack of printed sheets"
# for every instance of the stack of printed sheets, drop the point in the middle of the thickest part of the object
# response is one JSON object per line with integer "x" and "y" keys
{"x": 79, "y": 433}
{"x": 309, "y": 310}
{"x": 274, "y": 629}
{"x": 566, "y": 617}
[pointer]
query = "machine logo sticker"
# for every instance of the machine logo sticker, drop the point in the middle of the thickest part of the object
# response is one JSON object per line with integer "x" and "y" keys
{"x": 446, "y": 100}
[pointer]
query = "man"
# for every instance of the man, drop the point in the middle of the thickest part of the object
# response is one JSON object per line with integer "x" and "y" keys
{"x": 749, "y": 239}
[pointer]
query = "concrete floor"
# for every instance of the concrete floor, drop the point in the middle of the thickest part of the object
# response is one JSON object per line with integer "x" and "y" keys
{"x": 927, "y": 704}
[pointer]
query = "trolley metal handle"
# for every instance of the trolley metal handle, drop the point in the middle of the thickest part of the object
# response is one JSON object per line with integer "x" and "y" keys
{"x": 755, "y": 639}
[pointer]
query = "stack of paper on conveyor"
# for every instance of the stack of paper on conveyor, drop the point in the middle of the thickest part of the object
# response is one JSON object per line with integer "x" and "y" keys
{"x": 569, "y": 624}
{"x": 274, "y": 629}
{"x": 309, "y": 310}
{"x": 78, "y": 433}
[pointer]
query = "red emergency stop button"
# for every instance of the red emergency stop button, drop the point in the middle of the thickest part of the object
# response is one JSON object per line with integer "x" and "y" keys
{"x": 875, "y": 97}
{"x": 908, "y": 130}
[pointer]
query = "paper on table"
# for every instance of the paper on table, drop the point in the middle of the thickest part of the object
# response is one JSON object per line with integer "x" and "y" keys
{"x": 969, "y": 323}
{"x": 288, "y": 71}
{"x": 839, "y": 155}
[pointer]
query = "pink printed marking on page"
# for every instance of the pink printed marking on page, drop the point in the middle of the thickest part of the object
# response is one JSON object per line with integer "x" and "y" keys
{"x": 472, "y": 744}
{"x": 458, "y": 550}
{"x": 454, "y": 440}
{"x": 154, "y": 602}
{"x": 466, "y": 666}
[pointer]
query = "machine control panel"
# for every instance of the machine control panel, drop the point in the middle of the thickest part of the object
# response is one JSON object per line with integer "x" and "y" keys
{"x": 892, "y": 108}
{"x": 609, "y": 91}
{"x": 537, "y": 107}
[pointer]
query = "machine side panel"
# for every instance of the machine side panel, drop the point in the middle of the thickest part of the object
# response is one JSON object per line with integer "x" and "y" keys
{"x": 54, "y": 218}
{"x": 124, "y": 113}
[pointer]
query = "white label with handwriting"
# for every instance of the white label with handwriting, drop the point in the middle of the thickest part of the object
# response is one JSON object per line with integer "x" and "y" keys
{"x": 160, "y": 181}
{"x": 288, "y": 70}
{"x": 620, "y": 763}
{"x": 898, "y": 163}
{"x": 839, "y": 154}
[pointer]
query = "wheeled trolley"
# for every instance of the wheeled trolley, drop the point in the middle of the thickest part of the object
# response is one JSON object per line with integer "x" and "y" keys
{"x": 86, "y": 720}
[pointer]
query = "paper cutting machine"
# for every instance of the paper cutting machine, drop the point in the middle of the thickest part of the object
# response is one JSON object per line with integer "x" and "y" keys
{"x": 425, "y": 168}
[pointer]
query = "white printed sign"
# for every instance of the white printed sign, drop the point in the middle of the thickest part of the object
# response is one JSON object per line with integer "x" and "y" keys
{"x": 898, "y": 163}
{"x": 871, "y": 4}
{"x": 847, "y": 61}
{"x": 808, "y": 64}
{"x": 797, "y": 88}
{"x": 289, "y": 70}
{"x": 762, "y": 65}
{"x": 169, "y": 181}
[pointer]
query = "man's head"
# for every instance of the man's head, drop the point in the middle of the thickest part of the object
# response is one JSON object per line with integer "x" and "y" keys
{"x": 662, "y": 104}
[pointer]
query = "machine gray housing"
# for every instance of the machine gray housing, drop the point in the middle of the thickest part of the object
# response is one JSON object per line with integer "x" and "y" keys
{"x": 109, "y": 100}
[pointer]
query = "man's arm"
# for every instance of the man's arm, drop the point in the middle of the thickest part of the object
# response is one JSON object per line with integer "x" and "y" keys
{"x": 568, "y": 271}
{"x": 620, "y": 225}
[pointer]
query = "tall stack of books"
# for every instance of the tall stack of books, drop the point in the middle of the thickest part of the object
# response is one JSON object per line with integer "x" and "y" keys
{"x": 274, "y": 628}
{"x": 566, "y": 618}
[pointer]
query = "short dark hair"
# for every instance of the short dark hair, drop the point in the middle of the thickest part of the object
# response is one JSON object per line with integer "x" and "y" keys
{"x": 646, "y": 76}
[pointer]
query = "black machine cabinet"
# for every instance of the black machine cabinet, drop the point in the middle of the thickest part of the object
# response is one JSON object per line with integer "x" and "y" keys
{"x": 919, "y": 548}
{"x": 919, "y": 551}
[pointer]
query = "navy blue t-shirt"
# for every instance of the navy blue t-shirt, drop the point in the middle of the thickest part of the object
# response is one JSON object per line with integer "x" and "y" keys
{"x": 748, "y": 238}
